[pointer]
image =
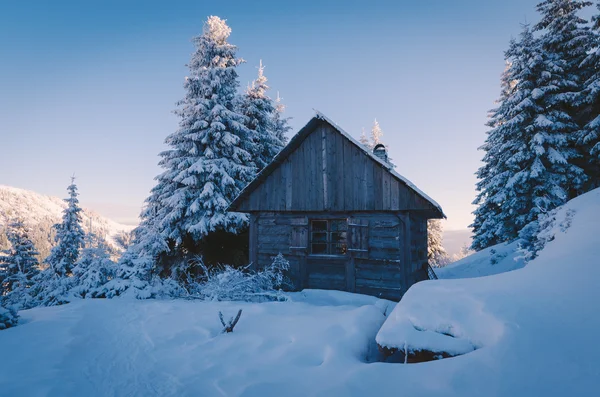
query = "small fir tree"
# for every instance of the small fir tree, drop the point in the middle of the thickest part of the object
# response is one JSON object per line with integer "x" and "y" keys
{"x": 436, "y": 253}
{"x": 93, "y": 269}
{"x": 260, "y": 112}
{"x": 281, "y": 123}
{"x": 364, "y": 140}
{"x": 376, "y": 134}
{"x": 69, "y": 236}
{"x": 18, "y": 268}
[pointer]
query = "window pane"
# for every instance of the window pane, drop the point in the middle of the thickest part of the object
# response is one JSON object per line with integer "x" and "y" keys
{"x": 338, "y": 249}
{"x": 319, "y": 248}
{"x": 319, "y": 226}
{"x": 319, "y": 237}
{"x": 338, "y": 237}
{"x": 339, "y": 225}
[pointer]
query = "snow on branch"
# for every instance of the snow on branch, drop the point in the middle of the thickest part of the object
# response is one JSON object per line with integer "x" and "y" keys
{"x": 230, "y": 325}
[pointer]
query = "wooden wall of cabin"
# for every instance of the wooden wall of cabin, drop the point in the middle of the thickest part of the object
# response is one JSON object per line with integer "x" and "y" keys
{"x": 329, "y": 173}
{"x": 387, "y": 270}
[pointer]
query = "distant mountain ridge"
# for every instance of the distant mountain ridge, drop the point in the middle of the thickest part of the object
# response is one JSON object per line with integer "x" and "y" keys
{"x": 40, "y": 212}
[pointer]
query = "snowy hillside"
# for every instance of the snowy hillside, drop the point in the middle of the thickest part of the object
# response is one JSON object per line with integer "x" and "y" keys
{"x": 532, "y": 331}
{"x": 40, "y": 212}
{"x": 528, "y": 332}
{"x": 497, "y": 259}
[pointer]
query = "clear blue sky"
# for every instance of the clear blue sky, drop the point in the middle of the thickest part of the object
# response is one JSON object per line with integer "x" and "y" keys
{"x": 89, "y": 87}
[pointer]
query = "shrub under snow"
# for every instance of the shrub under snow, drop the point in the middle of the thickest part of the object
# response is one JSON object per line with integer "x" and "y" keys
{"x": 8, "y": 318}
{"x": 230, "y": 284}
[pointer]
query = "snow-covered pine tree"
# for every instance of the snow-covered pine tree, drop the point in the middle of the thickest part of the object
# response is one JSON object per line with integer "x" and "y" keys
{"x": 539, "y": 138}
{"x": 529, "y": 165}
{"x": 207, "y": 163}
{"x": 493, "y": 175}
{"x": 69, "y": 236}
{"x": 436, "y": 253}
{"x": 260, "y": 113}
{"x": 565, "y": 39}
{"x": 588, "y": 139}
{"x": 376, "y": 134}
{"x": 53, "y": 285}
{"x": 137, "y": 267}
{"x": 18, "y": 268}
{"x": 93, "y": 269}
{"x": 364, "y": 140}
{"x": 281, "y": 123}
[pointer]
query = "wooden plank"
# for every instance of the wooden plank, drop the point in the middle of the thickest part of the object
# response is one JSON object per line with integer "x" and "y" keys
{"x": 383, "y": 293}
{"x": 289, "y": 185}
{"x": 364, "y": 169}
{"x": 331, "y": 162}
{"x": 326, "y": 282}
{"x": 378, "y": 187}
{"x": 339, "y": 172}
{"x": 394, "y": 194}
{"x": 324, "y": 171}
{"x": 253, "y": 241}
{"x": 350, "y": 275}
{"x": 348, "y": 177}
{"x": 378, "y": 283}
{"x": 317, "y": 167}
{"x": 385, "y": 177}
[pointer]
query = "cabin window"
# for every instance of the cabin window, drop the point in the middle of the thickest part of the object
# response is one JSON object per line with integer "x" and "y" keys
{"x": 328, "y": 237}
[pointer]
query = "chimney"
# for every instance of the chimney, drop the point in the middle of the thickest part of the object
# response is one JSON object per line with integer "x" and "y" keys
{"x": 380, "y": 151}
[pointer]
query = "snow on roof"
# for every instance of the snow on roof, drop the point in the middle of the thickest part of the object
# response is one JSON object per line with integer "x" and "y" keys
{"x": 389, "y": 167}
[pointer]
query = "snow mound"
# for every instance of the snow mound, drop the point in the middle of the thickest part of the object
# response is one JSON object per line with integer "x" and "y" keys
{"x": 529, "y": 332}
{"x": 535, "y": 328}
{"x": 119, "y": 347}
{"x": 500, "y": 258}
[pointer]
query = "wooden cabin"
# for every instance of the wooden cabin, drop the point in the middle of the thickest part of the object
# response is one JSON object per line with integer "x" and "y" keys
{"x": 340, "y": 214}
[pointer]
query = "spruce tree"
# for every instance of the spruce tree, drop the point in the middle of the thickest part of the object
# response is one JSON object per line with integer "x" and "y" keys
{"x": 588, "y": 139}
{"x": 137, "y": 266}
{"x": 493, "y": 175}
{"x": 207, "y": 163}
{"x": 260, "y": 112}
{"x": 69, "y": 236}
{"x": 18, "y": 267}
{"x": 376, "y": 134}
{"x": 529, "y": 166}
{"x": 565, "y": 39}
{"x": 93, "y": 269}
{"x": 436, "y": 253}
{"x": 364, "y": 140}
{"x": 281, "y": 123}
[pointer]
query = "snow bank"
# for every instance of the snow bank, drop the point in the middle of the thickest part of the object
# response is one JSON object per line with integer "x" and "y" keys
{"x": 497, "y": 259}
{"x": 8, "y": 318}
{"x": 529, "y": 332}
{"x": 120, "y": 347}
{"x": 536, "y": 327}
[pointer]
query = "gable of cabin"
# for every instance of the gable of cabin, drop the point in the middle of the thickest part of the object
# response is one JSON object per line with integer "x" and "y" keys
{"x": 326, "y": 171}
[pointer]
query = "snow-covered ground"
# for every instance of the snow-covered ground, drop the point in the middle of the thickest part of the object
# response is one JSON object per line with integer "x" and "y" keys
{"x": 498, "y": 259}
{"x": 532, "y": 331}
{"x": 125, "y": 347}
{"x": 528, "y": 332}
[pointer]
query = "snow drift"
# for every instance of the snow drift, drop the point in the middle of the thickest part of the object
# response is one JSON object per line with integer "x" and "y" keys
{"x": 528, "y": 332}
{"x": 500, "y": 258}
{"x": 536, "y": 327}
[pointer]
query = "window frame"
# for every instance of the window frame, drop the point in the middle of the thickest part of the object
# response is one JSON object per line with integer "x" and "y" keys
{"x": 329, "y": 243}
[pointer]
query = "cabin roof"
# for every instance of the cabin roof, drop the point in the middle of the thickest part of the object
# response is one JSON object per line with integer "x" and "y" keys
{"x": 299, "y": 138}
